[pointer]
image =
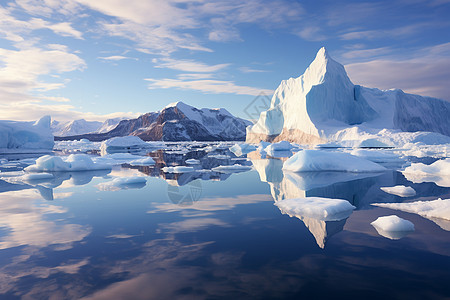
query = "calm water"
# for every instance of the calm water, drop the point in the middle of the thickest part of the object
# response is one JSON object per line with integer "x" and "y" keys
{"x": 207, "y": 235}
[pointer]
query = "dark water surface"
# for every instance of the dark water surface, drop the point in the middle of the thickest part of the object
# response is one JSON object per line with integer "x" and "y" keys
{"x": 208, "y": 235}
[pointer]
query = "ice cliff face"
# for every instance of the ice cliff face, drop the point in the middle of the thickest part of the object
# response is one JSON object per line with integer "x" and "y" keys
{"x": 26, "y": 135}
{"x": 315, "y": 106}
{"x": 179, "y": 122}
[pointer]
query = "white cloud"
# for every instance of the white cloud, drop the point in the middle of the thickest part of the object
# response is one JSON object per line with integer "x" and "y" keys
{"x": 115, "y": 57}
{"x": 188, "y": 65}
{"x": 206, "y": 86}
{"x": 311, "y": 33}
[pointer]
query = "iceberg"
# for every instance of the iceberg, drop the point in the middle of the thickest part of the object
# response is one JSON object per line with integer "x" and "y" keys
{"x": 231, "y": 169}
{"x": 243, "y": 148}
{"x": 280, "y": 146}
{"x": 21, "y": 137}
{"x": 399, "y": 190}
{"x": 123, "y": 144}
{"x": 74, "y": 162}
{"x": 323, "y": 105}
{"x": 438, "y": 172}
{"x": 429, "y": 209}
{"x": 392, "y": 227}
{"x": 320, "y": 160}
{"x": 178, "y": 169}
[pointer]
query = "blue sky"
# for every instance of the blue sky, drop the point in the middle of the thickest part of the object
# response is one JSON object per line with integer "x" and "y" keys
{"x": 106, "y": 58}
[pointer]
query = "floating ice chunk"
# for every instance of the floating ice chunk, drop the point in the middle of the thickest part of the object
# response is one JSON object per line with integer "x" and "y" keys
{"x": 75, "y": 162}
{"x": 325, "y": 209}
{"x": 231, "y": 169}
{"x": 318, "y": 160}
{"x": 392, "y": 227}
{"x": 148, "y": 161}
{"x": 37, "y": 177}
{"x": 117, "y": 158}
{"x": 428, "y": 209}
{"x": 262, "y": 145}
{"x": 328, "y": 145}
{"x": 399, "y": 190}
{"x": 243, "y": 148}
{"x": 438, "y": 172}
{"x": 378, "y": 156}
{"x": 192, "y": 161}
{"x": 123, "y": 183}
{"x": 178, "y": 169}
{"x": 219, "y": 156}
{"x": 123, "y": 144}
{"x": 280, "y": 146}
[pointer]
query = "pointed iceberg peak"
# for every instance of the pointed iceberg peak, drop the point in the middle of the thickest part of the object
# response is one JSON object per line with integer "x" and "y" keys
{"x": 45, "y": 122}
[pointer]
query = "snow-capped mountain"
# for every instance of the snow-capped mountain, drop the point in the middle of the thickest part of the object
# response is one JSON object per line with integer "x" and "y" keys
{"x": 81, "y": 126}
{"x": 323, "y": 104}
{"x": 179, "y": 122}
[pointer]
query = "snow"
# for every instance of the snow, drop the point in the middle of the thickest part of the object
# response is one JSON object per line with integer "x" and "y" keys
{"x": 148, "y": 161}
{"x": 325, "y": 209}
{"x": 231, "y": 169}
{"x": 322, "y": 104}
{"x": 75, "y": 127}
{"x": 122, "y": 144}
{"x": 399, "y": 190}
{"x": 19, "y": 137}
{"x": 438, "y": 172}
{"x": 243, "y": 148}
{"x": 123, "y": 183}
{"x": 74, "y": 162}
{"x": 392, "y": 227}
{"x": 320, "y": 160}
{"x": 428, "y": 209}
{"x": 178, "y": 169}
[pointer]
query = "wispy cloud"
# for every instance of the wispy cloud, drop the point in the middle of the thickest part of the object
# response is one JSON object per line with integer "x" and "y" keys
{"x": 115, "y": 57}
{"x": 206, "y": 86}
{"x": 188, "y": 65}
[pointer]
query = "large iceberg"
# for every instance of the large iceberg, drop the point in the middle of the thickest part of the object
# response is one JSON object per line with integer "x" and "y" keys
{"x": 16, "y": 136}
{"x": 323, "y": 104}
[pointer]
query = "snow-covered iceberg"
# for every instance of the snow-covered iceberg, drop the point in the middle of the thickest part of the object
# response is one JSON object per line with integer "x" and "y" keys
{"x": 438, "y": 172}
{"x": 319, "y": 160}
{"x": 74, "y": 162}
{"x": 399, "y": 190}
{"x": 393, "y": 227}
{"x": 322, "y": 104}
{"x": 18, "y": 136}
{"x": 123, "y": 144}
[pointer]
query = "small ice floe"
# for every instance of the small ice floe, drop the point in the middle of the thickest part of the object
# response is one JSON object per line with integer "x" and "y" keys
{"x": 378, "y": 156}
{"x": 429, "y": 209}
{"x": 280, "y": 146}
{"x": 192, "y": 161}
{"x": 393, "y": 227}
{"x": 123, "y": 183}
{"x": 148, "y": 161}
{"x": 123, "y": 144}
{"x": 319, "y": 160}
{"x": 438, "y": 172}
{"x": 231, "y": 169}
{"x": 37, "y": 177}
{"x": 219, "y": 156}
{"x": 243, "y": 148}
{"x": 178, "y": 169}
{"x": 399, "y": 190}
{"x": 325, "y": 209}
{"x": 74, "y": 162}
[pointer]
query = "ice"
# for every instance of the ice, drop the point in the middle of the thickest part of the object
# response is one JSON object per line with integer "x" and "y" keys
{"x": 117, "y": 158}
{"x": 148, "y": 161}
{"x": 36, "y": 177}
{"x": 123, "y": 183}
{"x": 192, "y": 161}
{"x": 378, "y": 156}
{"x": 178, "y": 169}
{"x": 82, "y": 145}
{"x": 219, "y": 156}
{"x": 325, "y": 209}
{"x": 280, "y": 146}
{"x": 322, "y": 104}
{"x": 74, "y": 162}
{"x": 123, "y": 144}
{"x": 231, "y": 169}
{"x": 243, "y": 148}
{"x": 392, "y": 227}
{"x": 428, "y": 209}
{"x": 438, "y": 172}
{"x": 329, "y": 145}
{"x": 399, "y": 190}
{"x": 21, "y": 137}
{"x": 320, "y": 160}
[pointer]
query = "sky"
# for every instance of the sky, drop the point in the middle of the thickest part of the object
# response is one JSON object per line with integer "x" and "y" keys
{"x": 74, "y": 59}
